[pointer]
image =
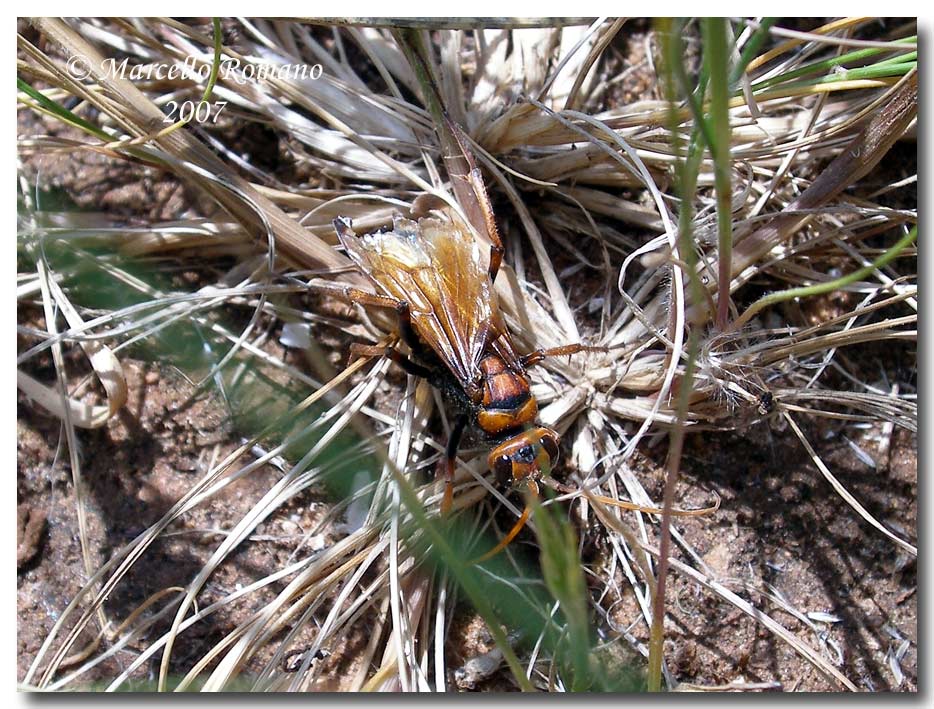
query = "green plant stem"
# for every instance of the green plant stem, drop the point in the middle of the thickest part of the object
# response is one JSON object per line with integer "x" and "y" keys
{"x": 216, "y": 63}
{"x": 561, "y": 568}
{"x": 843, "y": 59}
{"x": 673, "y": 466}
{"x": 701, "y": 135}
{"x": 828, "y": 286}
{"x": 716, "y": 58}
{"x": 883, "y": 71}
{"x": 687, "y": 181}
{"x": 911, "y": 56}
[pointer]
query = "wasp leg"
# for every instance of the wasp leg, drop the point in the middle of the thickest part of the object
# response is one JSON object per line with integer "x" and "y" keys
{"x": 446, "y": 465}
{"x": 489, "y": 221}
{"x": 540, "y": 354}
{"x": 516, "y": 528}
{"x": 468, "y": 171}
{"x": 406, "y": 331}
{"x": 410, "y": 367}
{"x": 350, "y": 294}
{"x": 496, "y": 260}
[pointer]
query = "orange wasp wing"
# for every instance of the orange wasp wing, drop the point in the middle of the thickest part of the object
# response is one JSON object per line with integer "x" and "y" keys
{"x": 435, "y": 266}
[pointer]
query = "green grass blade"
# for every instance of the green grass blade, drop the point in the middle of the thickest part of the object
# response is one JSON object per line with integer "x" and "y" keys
{"x": 828, "y": 286}
{"x": 561, "y": 567}
{"x": 833, "y": 62}
{"x": 60, "y": 111}
{"x": 686, "y": 171}
{"x": 216, "y": 63}
{"x": 751, "y": 48}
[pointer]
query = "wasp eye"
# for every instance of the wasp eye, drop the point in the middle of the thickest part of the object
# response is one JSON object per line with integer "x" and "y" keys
{"x": 502, "y": 468}
{"x": 551, "y": 447}
{"x": 526, "y": 454}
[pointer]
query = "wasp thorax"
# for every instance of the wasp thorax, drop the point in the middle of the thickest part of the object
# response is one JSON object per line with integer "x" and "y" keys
{"x": 528, "y": 455}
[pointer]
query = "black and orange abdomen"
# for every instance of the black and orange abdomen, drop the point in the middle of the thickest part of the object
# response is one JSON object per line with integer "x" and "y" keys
{"x": 507, "y": 413}
{"x": 507, "y": 403}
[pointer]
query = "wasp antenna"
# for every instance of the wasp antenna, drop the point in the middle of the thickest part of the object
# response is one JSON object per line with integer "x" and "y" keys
{"x": 675, "y": 511}
{"x": 516, "y": 528}
{"x": 625, "y": 505}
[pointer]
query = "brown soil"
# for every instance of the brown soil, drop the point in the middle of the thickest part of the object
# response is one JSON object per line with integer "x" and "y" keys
{"x": 781, "y": 530}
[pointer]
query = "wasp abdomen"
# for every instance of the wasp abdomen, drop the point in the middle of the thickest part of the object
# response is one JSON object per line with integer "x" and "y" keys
{"x": 506, "y": 401}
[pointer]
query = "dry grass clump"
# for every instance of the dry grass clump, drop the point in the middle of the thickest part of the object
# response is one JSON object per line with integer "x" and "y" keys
{"x": 695, "y": 269}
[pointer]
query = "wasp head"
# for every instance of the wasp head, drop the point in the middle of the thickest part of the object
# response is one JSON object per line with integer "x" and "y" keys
{"x": 526, "y": 456}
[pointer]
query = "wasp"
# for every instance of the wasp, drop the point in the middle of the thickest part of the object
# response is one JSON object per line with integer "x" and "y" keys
{"x": 431, "y": 272}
